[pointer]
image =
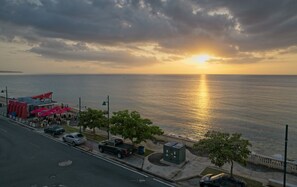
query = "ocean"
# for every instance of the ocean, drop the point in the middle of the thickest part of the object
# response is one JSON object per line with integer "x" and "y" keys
{"x": 256, "y": 106}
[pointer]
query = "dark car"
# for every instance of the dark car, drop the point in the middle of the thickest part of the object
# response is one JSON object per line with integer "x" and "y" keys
{"x": 54, "y": 130}
{"x": 221, "y": 180}
{"x": 117, "y": 147}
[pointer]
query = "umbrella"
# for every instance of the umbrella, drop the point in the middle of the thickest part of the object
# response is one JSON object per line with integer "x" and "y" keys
{"x": 45, "y": 113}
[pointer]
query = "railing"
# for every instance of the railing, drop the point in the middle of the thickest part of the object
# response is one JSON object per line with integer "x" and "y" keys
{"x": 272, "y": 162}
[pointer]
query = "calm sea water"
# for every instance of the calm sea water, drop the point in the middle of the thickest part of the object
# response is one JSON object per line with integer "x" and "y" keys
{"x": 185, "y": 105}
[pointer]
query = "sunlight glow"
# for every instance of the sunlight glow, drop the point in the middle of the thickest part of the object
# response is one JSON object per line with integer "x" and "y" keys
{"x": 201, "y": 58}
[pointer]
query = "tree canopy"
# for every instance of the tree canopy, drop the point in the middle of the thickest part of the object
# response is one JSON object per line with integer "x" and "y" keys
{"x": 92, "y": 118}
{"x": 133, "y": 127}
{"x": 224, "y": 148}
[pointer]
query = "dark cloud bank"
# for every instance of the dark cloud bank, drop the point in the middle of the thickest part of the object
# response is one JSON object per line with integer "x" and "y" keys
{"x": 61, "y": 29}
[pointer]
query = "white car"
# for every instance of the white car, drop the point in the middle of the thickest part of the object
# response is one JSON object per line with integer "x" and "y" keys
{"x": 74, "y": 138}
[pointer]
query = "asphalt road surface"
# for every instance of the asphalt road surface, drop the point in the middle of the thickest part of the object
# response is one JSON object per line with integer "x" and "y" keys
{"x": 28, "y": 159}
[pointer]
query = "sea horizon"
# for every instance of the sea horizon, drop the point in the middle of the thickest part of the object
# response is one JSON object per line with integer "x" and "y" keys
{"x": 182, "y": 74}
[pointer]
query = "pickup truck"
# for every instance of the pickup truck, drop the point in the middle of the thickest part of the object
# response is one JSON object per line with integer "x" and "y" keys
{"x": 117, "y": 147}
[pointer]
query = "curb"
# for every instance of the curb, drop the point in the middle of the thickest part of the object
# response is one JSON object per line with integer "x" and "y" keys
{"x": 21, "y": 124}
{"x": 97, "y": 155}
{"x": 17, "y": 122}
{"x": 127, "y": 164}
{"x": 187, "y": 178}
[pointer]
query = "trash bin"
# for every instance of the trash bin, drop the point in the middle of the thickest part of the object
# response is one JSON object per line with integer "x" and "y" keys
{"x": 141, "y": 150}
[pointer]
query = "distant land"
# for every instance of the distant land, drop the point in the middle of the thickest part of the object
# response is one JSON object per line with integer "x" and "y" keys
{"x": 11, "y": 71}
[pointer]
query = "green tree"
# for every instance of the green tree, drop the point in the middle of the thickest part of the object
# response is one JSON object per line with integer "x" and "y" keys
{"x": 224, "y": 148}
{"x": 131, "y": 126}
{"x": 92, "y": 118}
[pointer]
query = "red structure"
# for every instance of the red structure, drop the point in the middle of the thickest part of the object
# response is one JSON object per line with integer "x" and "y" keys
{"x": 47, "y": 95}
{"x": 21, "y": 107}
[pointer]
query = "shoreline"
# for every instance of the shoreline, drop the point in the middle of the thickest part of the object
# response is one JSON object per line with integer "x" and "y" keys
{"x": 254, "y": 158}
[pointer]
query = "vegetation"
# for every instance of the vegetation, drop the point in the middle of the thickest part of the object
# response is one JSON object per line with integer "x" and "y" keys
{"x": 88, "y": 135}
{"x": 147, "y": 152}
{"x": 70, "y": 129}
{"x": 250, "y": 182}
{"x": 93, "y": 118}
{"x": 131, "y": 126}
{"x": 94, "y": 137}
{"x": 224, "y": 148}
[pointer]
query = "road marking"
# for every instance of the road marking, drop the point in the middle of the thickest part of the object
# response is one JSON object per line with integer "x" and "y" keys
{"x": 163, "y": 182}
{"x": 3, "y": 130}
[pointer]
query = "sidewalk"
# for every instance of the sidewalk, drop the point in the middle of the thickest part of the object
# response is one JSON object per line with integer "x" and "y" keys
{"x": 191, "y": 169}
{"x": 186, "y": 174}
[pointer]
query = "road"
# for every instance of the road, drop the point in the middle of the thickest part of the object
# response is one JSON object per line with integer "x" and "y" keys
{"x": 28, "y": 159}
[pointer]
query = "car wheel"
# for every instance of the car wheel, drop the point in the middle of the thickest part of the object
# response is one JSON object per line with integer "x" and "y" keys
{"x": 73, "y": 143}
{"x": 53, "y": 134}
{"x": 101, "y": 150}
{"x": 119, "y": 155}
{"x": 64, "y": 139}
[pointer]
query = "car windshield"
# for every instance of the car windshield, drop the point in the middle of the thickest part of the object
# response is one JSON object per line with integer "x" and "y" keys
{"x": 79, "y": 136}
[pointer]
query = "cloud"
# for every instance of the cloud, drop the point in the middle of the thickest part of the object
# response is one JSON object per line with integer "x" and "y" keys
{"x": 59, "y": 50}
{"x": 227, "y": 28}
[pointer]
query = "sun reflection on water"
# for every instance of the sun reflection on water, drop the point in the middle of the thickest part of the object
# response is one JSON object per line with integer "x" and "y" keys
{"x": 202, "y": 105}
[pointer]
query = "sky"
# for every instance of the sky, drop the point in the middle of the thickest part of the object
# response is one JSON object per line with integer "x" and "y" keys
{"x": 148, "y": 36}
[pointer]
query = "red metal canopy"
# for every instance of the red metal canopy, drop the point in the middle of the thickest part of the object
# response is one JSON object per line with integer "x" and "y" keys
{"x": 47, "y": 95}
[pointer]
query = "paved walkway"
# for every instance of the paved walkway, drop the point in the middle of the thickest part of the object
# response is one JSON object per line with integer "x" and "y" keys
{"x": 192, "y": 168}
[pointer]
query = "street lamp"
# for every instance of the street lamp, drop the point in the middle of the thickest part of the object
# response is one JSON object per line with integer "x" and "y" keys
{"x": 6, "y": 99}
{"x": 104, "y": 104}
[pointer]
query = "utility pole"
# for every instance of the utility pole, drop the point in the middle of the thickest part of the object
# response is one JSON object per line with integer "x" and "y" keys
{"x": 6, "y": 99}
{"x": 285, "y": 161}
{"x": 107, "y": 103}
{"x": 79, "y": 110}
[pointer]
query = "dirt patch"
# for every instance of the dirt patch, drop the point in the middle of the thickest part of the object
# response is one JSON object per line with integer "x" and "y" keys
{"x": 156, "y": 159}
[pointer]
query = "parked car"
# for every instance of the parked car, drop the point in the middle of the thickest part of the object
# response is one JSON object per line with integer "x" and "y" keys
{"x": 74, "y": 138}
{"x": 221, "y": 180}
{"x": 54, "y": 130}
{"x": 117, "y": 147}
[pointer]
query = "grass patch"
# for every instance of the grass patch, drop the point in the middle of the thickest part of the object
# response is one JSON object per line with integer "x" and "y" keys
{"x": 70, "y": 129}
{"x": 88, "y": 135}
{"x": 250, "y": 182}
{"x": 147, "y": 152}
{"x": 94, "y": 137}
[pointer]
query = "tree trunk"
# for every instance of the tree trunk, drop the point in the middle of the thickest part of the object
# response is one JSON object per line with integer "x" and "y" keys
{"x": 231, "y": 172}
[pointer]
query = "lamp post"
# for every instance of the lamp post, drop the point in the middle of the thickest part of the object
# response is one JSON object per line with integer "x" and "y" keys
{"x": 104, "y": 104}
{"x": 6, "y": 99}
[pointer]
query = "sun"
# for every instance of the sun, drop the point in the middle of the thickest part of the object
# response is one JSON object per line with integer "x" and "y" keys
{"x": 201, "y": 59}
